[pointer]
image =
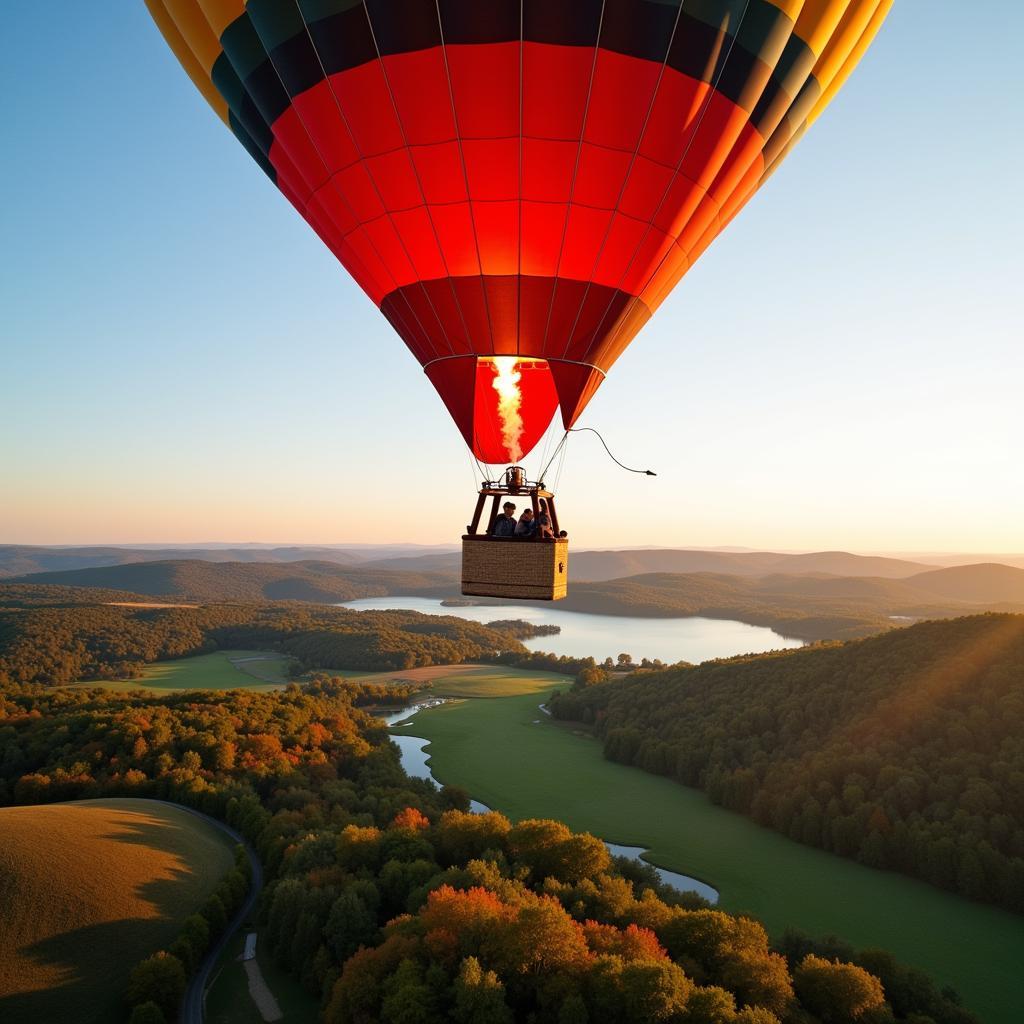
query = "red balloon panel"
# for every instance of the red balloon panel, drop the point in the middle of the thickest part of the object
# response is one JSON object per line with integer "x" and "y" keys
{"x": 501, "y": 405}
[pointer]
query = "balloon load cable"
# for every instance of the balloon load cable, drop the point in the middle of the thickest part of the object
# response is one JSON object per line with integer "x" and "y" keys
{"x": 591, "y": 430}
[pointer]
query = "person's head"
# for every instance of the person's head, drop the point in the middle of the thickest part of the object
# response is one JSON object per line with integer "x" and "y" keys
{"x": 528, "y": 514}
{"x": 509, "y": 508}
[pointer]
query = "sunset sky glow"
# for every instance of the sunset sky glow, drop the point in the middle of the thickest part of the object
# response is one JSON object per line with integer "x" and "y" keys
{"x": 184, "y": 361}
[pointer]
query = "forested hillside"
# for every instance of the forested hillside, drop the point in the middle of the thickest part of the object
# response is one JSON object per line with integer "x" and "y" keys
{"x": 904, "y": 751}
{"x": 810, "y": 607}
{"x": 987, "y": 582}
{"x": 246, "y": 581}
{"x": 394, "y": 905}
{"x": 20, "y": 559}
{"x": 604, "y": 565}
{"x": 59, "y": 642}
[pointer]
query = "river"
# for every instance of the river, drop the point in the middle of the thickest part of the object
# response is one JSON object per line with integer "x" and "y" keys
{"x": 414, "y": 761}
{"x": 693, "y": 638}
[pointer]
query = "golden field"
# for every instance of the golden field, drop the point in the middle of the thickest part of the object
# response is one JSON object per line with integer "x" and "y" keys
{"x": 87, "y": 890}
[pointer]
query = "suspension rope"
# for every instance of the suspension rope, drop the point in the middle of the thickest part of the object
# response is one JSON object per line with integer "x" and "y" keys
{"x": 629, "y": 469}
{"x": 560, "y": 467}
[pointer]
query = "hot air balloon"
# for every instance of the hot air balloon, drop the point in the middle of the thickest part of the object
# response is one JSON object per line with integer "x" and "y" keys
{"x": 518, "y": 186}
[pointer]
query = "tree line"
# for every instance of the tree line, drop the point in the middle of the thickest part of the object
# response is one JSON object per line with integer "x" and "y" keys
{"x": 904, "y": 751}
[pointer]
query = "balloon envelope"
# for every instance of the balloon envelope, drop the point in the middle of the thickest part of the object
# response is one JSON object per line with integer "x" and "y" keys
{"x": 524, "y": 180}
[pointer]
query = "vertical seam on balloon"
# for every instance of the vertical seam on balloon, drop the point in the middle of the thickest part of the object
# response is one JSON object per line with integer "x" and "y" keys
{"x": 331, "y": 178}
{"x": 465, "y": 174}
{"x": 519, "y": 195}
{"x": 328, "y": 176}
{"x": 625, "y": 183}
{"x": 572, "y": 184}
{"x": 635, "y": 299}
{"x": 419, "y": 185}
{"x": 650, "y": 223}
{"x": 796, "y": 132}
{"x": 838, "y": 80}
{"x": 870, "y": 30}
{"x": 303, "y": 210}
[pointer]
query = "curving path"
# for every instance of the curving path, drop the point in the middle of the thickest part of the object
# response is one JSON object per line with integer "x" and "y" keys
{"x": 193, "y": 1006}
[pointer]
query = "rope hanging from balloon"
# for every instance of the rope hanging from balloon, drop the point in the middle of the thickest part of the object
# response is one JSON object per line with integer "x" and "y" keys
{"x": 604, "y": 444}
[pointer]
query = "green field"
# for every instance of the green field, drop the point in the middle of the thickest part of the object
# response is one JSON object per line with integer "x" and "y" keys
{"x": 511, "y": 756}
{"x": 263, "y": 670}
{"x": 468, "y": 680}
{"x": 87, "y": 890}
{"x": 222, "y": 670}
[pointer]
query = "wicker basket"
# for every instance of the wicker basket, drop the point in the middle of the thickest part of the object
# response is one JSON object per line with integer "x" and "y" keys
{"x": 500, "y": 567}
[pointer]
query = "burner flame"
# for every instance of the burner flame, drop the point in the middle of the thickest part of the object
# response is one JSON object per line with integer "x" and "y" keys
{"x": 510, "y": 400}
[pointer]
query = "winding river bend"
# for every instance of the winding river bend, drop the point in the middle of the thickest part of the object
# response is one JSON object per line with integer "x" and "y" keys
{"x": 414, "y": 761}
{"x": 691, "y": 638}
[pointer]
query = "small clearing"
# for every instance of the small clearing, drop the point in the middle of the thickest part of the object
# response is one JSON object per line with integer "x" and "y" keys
{"x": 260, "y": 992}
{"x": 469, "y": 680}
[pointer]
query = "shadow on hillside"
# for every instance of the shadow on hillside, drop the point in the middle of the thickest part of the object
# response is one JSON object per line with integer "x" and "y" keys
{"x": 93, "y": 962}
{"x": 165, "y": 894}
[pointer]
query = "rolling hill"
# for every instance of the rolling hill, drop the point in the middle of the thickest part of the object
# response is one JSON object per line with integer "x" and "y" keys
{"x": 89, "y": 889}
{"x": 596, "y": 566}
{"x": 807, "y": 607}
{"x": 244, "y": 581}
{"x": 988, "y": 582}
{"x": 21, "y": 559}
{"x": 811, "y": 605}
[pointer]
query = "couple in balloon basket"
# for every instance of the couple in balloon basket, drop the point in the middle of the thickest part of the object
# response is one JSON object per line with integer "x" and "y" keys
{"x": 528, "y": 526}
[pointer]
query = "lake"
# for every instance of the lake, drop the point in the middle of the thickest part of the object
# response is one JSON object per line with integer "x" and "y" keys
{"x": 692, "y": 639}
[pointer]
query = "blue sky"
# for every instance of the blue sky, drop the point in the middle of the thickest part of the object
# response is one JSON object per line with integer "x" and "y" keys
{"x": 183, "y": 360}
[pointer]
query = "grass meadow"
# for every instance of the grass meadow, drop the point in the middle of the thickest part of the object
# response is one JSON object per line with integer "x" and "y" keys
{"x": 469, "y": 680}
{"x": 513, "y": 757}
{"x": 221, "y": 670}
{"x": 88, "y": 889}
{"x": 264, "y": 670}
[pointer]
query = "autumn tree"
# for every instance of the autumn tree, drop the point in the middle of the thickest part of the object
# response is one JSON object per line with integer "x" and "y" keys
{"x": 479, "y": 996}
{"x": 838, "y": 993}
{"x": 159, "y": 979}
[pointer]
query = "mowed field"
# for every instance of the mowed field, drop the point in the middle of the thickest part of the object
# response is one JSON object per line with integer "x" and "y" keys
{"x": 514, "y": 758}
{"x": 468, "y": 680}
{"x": 221, "y": 670}
{"x": 87, "y": 890}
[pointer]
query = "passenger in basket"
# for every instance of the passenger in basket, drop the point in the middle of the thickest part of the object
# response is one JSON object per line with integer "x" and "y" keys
{"x": 505, "y": 524}
{"x": 526, "y": 527}
{"x": 544, "y": 531}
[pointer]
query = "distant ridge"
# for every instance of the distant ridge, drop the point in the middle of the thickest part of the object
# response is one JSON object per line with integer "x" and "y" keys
{"x": 197, "y": 580}
{"x": 21, "y": 559}
{"x": 596, "y": 566}
{"x": 605, "y": 565}
{"x": 989, "y": 582}
{"x": 809, "y": 605}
